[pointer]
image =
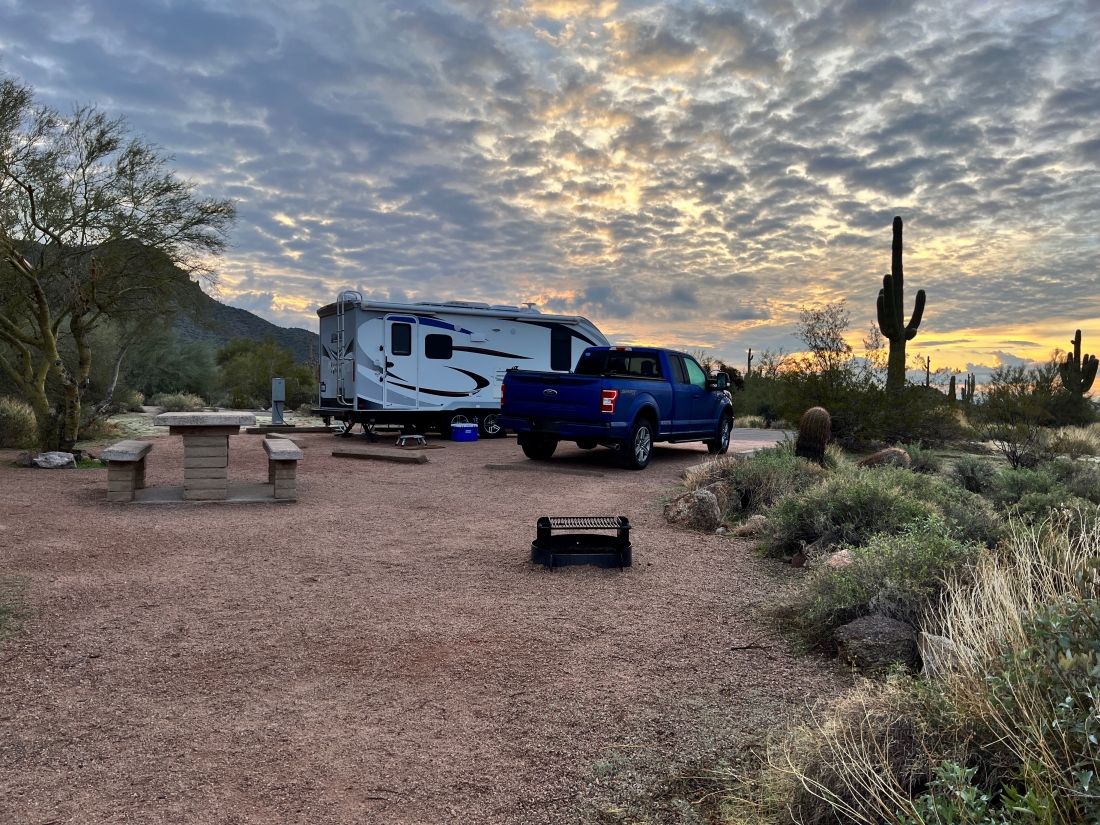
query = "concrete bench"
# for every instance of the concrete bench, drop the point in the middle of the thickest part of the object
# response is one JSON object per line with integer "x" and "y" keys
{"x": 283, "y": 456}
{"x": 125, "y": 468}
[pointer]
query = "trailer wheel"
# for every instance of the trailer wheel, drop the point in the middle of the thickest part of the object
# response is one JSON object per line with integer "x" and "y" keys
{"x": 489, "y": 425}
{"x": 540, "y": 450}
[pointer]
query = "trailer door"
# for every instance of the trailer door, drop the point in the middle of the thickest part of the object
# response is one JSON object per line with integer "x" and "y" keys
{"x": 402, "y": 378}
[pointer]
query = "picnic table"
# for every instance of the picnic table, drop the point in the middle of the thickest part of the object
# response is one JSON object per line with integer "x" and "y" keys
{"x": 205, "y": 449}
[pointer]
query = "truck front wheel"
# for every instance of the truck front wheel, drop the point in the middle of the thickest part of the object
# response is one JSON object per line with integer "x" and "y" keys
{"x": 719, "y": 445}
{"x": 540, "y": 450}
{"x": 639, "y": 447}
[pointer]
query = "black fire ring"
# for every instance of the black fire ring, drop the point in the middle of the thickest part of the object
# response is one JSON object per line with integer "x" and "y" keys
{"x": 566, "y": 548}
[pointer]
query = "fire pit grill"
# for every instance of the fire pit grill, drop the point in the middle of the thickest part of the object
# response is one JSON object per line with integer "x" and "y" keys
{"x": 582, "y": 548}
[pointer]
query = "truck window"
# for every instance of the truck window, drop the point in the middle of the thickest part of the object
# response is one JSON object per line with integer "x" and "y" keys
{"x": 633, "y": 364}
{"x": 401, "y": 339}
{"x": 438, "y": 347}
{"x": 561, "y": 349}
{"x": 678, "y": 369}
{"x": 696, "y": 375}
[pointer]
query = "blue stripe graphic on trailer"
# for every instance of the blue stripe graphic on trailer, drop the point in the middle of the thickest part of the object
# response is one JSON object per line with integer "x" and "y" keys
{"x": 432, "y": 321}
{"x": 572, "y": 330}
{"x": 481, "y": 351}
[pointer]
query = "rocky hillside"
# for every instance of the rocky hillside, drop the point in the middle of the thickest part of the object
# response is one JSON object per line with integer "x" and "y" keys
{"x": 218, "y": 323}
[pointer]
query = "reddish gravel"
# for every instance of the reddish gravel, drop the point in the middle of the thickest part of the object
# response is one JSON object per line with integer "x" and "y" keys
{"x": 382, "y": 651}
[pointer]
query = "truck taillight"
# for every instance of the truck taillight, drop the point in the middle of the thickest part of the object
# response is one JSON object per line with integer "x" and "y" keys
{"x": 607, "y": 400}
{"x": 502, "y": 395}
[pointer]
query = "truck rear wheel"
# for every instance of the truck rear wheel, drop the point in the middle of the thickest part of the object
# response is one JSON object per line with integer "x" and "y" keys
{"x": 639, "y": 447}
{"x": 540, "y": 450}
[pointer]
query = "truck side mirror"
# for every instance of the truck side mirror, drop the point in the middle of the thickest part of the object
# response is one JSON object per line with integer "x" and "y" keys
{"x": 720, "y": 382}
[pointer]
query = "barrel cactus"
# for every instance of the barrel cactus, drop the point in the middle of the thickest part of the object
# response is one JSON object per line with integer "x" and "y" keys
{"x": 813, "y": 434}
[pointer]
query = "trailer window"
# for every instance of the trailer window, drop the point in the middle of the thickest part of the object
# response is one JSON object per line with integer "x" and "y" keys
{"x": 438, "y": 347}
{"x": 401, "y": 339}
{"x": 561, "y": 349}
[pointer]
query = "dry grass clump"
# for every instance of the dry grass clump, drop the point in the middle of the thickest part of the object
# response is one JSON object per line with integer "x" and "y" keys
{"x": 1076, "y": 441}
{"x": 753, "y": 483}
{"x": 179, "y": 402}
{"x": 17, "y": 425}
{"x": 750, "y": 422}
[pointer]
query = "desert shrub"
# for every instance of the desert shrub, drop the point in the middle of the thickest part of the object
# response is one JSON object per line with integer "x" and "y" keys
{"x": 247, "y": 367}
{"x": 847, "y": 508}
{"x": 17, "y": 425}
{"x": 100, "y": 429}
{"x": 923, "y": 460}
{"x": 1081, "y": 478}
{"x": 1031, "y": 493}
{"x": 759, "y": 481}
{"x": 306, "y": 409}
{"x": 126, "y": 400}
{"x": 1075, "y": 441}
{"x": 179, "y": 402}
{"x": 854, "y": 504}
{"x": 755, "y": 422}
{"x": 975, "y": 474}
{"x": 899, "y": 575}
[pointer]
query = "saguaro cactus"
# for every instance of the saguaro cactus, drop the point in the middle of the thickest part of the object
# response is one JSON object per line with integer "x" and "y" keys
{"x": 1077, "y": 371}
{"x": 891, "y": 314}
{"x": 951, "y": 388}
{"x": 969, "y": 387}
{"x": 813, "y": 434}
{"x": 748, "y": 364}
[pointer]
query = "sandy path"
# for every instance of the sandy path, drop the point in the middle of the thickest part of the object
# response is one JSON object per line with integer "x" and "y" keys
{"x": 382, "y": 651}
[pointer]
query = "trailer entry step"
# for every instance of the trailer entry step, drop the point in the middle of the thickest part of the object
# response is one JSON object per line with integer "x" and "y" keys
{"x": 569, "y": 548}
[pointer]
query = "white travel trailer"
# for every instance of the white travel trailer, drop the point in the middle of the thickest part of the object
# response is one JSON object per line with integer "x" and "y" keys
{"x": 425, "y": 366}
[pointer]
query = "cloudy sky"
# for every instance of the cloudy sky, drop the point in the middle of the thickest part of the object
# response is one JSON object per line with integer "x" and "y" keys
{"x": 688, "y": 173}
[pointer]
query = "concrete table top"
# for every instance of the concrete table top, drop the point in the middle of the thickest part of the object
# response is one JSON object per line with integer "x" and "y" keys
{"x": 205, "y": 419}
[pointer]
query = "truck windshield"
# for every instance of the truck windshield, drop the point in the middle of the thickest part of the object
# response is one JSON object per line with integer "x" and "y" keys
{"x": 636, "y": 364}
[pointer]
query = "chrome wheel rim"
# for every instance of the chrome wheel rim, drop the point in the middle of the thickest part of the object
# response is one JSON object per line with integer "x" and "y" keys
{"x": 459, "y": 419}
{"x": 643, "y": 443}
{"x": 725, "y": 432}
{"x": 491, "y": 423}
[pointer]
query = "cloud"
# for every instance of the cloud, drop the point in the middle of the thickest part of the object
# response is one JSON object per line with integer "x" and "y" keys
{"x": 673, "y": 170}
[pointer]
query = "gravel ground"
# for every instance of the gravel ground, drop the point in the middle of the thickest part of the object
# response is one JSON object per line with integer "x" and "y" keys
{"x": 382, "y": 651}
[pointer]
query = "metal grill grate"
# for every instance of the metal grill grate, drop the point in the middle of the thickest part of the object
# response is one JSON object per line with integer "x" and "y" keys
{"x": 587, "y": 522}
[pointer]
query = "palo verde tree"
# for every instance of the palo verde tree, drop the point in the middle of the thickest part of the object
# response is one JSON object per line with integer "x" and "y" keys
{"x": 94, "y": 229}
{"x": 891, "y": 314}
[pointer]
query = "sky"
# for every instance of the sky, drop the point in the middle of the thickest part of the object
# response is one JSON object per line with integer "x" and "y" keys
{"x": 688, "y": 174}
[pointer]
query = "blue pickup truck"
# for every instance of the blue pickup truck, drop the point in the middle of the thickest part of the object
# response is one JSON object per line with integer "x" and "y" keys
{"x": 625, "y": 398}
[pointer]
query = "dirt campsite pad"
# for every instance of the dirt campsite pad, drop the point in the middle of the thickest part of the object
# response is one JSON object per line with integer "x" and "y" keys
{"x": 384, "y": 651}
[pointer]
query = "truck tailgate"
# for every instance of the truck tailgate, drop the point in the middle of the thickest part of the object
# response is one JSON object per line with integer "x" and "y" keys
{"x": 553, "y": 395}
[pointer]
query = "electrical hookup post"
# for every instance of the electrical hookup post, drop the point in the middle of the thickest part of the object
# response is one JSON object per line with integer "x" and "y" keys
{"x": 278, "y": 400}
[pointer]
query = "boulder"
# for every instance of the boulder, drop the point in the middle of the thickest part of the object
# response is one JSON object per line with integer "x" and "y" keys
{"x": 55, "y": 461}
{"x": 751, "y": 528}
{"x": 697, "y": 510}
{"x": 890, "y": 457}
{"x": 25, "y": 459}
{"x": 841, "y": 558}
{"x": 939, "y": 655}
{"x": 721, "y": 492}
{"x": 876, "y": 642}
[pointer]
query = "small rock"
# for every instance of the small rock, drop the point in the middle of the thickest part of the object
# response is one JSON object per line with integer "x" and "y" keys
{"x": 753, "y": 527}
{"x": 55, "y": 461}
{"x": 721, "y": 531}
{"x": 939, "y": 655}
{"x": 841, "y": 558}
{"x": 697, "y": 509}
{"x": 890, "y": 457}
{"x": 876, "y": 642}
{"x": 25, "y": 459}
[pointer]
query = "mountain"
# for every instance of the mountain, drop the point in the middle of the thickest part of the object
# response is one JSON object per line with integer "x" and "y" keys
{"x": 213, "y": 321}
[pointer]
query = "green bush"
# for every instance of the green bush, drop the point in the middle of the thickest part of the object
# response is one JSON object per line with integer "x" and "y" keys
{"x": 1081, "y": 478}
{"x": 898, "y": 575}
{"x": 126, "y": 400}
{"x": 1052, "y": 690}
{"x": 922, "y": 460}
{"x": 975, "y": 474}
{"x": 759, "y": 481}
{"x": 855, "y": 504}
{"x": 17, "y": 425}
{"x": 248, "y": 366}
{"x": 179, "y": 402}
